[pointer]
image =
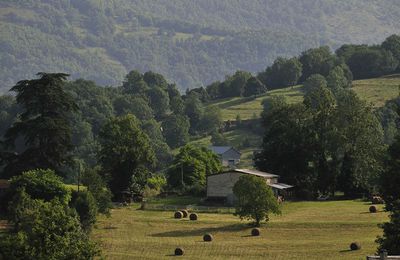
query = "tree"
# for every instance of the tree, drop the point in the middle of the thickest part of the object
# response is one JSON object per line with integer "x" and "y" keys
{"x": 392, "y": 44}
{"x": 254, "y": 87}
{"x": 176, "y": 130}
{"x": 86, "y": 207}
{"x": 194, "y": 110}
{"x": 390, "y": 178}
{"x": 211, "y": 119}
{"x": 283, "y": 73}
{"x": 41, "y": 184}
{"x": 135, "y": 105}
{"x": 254, "y": 199}
{"x": 124, "y": 148}
{"x": 159, "y": 101}
{"x": 313, "y": 82}
{"x": 218, "y": 139}
{"x": 337, "y": 80}
{"x": 317, "y": 61}
{"x": 45, "y": 230}
{"x": 192, "y": 164}
{"x": 44, "y": 125}
{"x": 134, "y": 84}
{"x": 372, "y": 62}
{"x": 390, "y": 240}
{"x": 96, "y": 185}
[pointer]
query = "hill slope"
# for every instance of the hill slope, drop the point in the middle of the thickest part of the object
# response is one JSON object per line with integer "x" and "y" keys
{"x": 191, "y": 42}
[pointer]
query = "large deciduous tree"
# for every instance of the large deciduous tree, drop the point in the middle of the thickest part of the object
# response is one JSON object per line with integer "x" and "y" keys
{"x": 254, "y": 199}
{"x": 43, "y": 124}
{"x": 124, "y": 148}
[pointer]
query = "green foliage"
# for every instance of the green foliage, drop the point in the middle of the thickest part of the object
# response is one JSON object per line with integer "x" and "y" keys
{"x": 211, "y": 119}
{"x": 44, "y": 125}
{"x": 254, "y": 199}
{"x": 317, "y": 61}
{"x": 392, "y": 44}
{"x": 313, "y": 82}
{"x": 326, "y": 144}
{"x": 102, "y": 41}
{"x": 45, "y": 230}
{"x": 254, "y": 87}
{"x": 176, "y": 130}
{"x": 282, "y": 73}
{"x": 85, "y": 205}
{"x": 41, "y": 184}
{"x": 390, "y": 240}
{"x": 124, "y": 148}
{"x": 191, "y": 165}
{"x": 218, "y": 139}
{"x": 95, "y": 184}
{"x": 370, "y": 62}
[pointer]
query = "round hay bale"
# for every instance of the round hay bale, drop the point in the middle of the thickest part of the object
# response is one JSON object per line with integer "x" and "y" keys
{"x": 178, "y": 215}
{"x": 355, "y": 246}
{"x": 373, "y": 209}
{"x": 208, "y": 238}
{"x": 179, "y": 251}
{"x": 185, "y": 213}
{"x": 193, "y": 216}
{"x": 255, "y": 232}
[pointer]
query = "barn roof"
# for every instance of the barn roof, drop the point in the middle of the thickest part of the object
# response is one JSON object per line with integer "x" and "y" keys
{"x": 222, "y": 149}
{"x": 280, "y": 186}
{"x": 251, "y": 172}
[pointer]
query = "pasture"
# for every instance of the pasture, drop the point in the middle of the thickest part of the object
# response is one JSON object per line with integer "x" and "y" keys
{"x": 305, "y": 230}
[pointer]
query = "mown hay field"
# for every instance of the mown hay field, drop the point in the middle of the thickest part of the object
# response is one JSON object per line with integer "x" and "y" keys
{"x": 305, "y": 230}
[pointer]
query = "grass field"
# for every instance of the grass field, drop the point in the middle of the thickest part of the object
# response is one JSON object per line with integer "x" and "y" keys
{"x": 376, "y": 91}
{"x": 305, "y": 230}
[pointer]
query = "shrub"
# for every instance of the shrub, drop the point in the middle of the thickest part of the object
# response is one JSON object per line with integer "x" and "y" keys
{"x": 85, "y": 205}
{"x": 179, "y": 251}
{"x": 208, "y": 238}
{"x": 373, "y": 209}
{"x": 255, "y": 232}
{"x": 41, "y": 184}
{"x": 185, "y": 213}
{"x": 178, "y": 215}
{"x": 355, "y": 246}
{"x": 193, "y": 216}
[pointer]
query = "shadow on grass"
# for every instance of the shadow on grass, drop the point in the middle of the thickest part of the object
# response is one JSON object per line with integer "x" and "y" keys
{"x": 201, "y": 231}
{"x": 345, "y": 251}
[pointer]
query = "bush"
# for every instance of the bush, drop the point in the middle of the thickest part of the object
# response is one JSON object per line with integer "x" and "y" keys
{"x": 255, "y": 232}
{"x": 373, "y": 209}
{"x": 178, "y": 215}
{"x": 355, "y": 246}
{"x": 185, "y": 213}
{"x": 41, "y": 184}
{"x": 45, "y": 230}
{"x": 85, "y": 205}
{"x": 208, "y": 238}
{"x": 193, "y": 216}
{"x": 179, "y": 251}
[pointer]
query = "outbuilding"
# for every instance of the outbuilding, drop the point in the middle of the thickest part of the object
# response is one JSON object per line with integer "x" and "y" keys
{"x": 220, "y": 185}
{"x": 228, "y": 155}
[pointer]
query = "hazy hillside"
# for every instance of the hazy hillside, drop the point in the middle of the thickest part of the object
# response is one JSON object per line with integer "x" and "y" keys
{"x": 190, "y": 42}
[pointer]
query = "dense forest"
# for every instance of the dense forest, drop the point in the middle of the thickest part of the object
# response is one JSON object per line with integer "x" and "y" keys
{"x": 192, "y": 43}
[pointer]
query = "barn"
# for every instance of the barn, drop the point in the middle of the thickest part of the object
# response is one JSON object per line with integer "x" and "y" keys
{"x": 220, "y": 185}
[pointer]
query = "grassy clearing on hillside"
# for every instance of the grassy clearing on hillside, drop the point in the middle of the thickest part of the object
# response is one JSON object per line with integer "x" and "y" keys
{"x": 377, "y": 91}
{"x": 305, "y": 230}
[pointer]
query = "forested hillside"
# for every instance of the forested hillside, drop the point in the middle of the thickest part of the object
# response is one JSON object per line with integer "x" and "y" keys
{"x": 192, "y": 43}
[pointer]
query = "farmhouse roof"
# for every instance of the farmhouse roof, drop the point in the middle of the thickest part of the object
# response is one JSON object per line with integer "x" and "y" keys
{"x": 280, "y": 186}
{"x": 222, "y": 149}
{"x": 251, "y": 172}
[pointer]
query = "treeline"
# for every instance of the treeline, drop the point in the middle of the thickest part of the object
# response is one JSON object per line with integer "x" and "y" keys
{"x": 340, "y": 68}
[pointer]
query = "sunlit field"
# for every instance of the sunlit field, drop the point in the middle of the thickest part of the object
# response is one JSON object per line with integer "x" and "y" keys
{"x": 305, "y": 230}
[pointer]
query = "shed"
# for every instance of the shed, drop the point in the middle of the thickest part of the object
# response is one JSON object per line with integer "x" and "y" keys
{"x": 220, "y": 186}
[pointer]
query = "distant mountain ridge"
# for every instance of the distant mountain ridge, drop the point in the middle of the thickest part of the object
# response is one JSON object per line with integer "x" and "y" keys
{"x": 192, "y": 43}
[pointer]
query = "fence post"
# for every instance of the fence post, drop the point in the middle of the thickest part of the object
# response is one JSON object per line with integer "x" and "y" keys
{"x": 383, "y": 254}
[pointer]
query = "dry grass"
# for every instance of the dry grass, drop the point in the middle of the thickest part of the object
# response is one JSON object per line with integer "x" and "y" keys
{"x": 305, "y": 230}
